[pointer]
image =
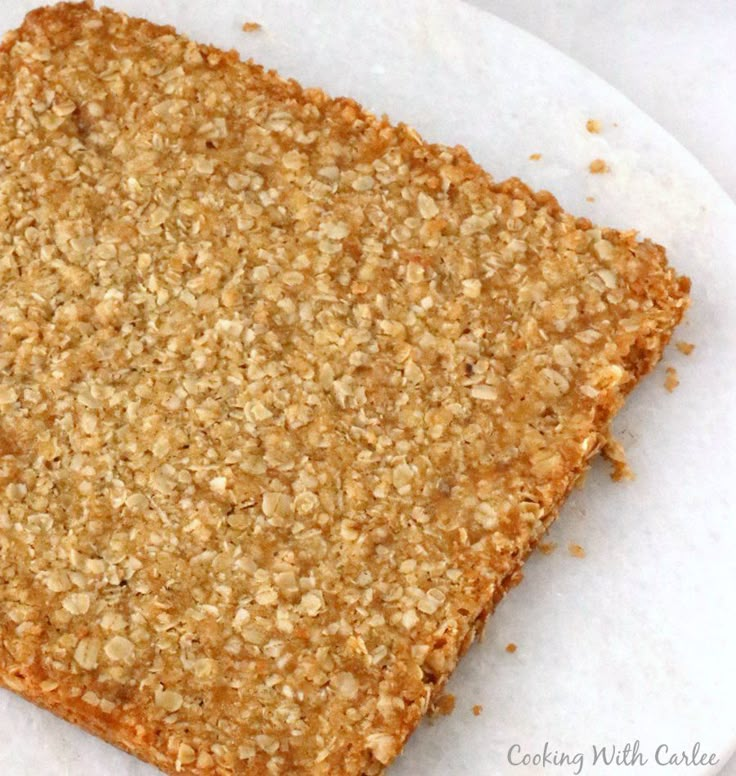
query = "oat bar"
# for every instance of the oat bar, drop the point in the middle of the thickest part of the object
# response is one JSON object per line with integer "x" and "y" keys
{"x": 287, "y": 395}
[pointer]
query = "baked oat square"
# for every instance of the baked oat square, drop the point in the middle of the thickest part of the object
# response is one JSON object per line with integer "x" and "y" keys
{"x": 287, "y": 395}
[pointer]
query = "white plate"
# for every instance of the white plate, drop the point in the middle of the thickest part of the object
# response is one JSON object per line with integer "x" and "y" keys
{"x": 636, "y": 641}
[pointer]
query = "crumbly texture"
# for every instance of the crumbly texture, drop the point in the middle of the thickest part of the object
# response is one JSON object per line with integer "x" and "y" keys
{"x": 686, "y": 348}
{"x": 593, "y": 126}
{"x": 614, "y": 452}
{"x": 671, "y": 380}
{"x": 477, "y": 710}
{"x": 443, "y": 705}
{"x": 287, "y": 396}
{"x": 547, "y": 548}
{"x": 511, "y": 648}
{"x": 251, "y": 27}
{"x": 535, "y": 157}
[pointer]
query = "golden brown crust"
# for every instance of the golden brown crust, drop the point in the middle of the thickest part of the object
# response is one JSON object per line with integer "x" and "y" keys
{"x": 288, "y": 396}
{"x": 88, "y": 717}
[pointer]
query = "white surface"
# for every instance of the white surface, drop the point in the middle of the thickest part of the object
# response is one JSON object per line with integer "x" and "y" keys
{"x": 676, "y": 59}
{"x": 635, "y": 641}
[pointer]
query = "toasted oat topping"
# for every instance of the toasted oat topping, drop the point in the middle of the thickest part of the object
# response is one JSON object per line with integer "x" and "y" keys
{"x": 285, "y": 396}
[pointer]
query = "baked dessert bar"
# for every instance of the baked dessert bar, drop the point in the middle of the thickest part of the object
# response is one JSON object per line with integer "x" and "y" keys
{"x": 287, "y": 395}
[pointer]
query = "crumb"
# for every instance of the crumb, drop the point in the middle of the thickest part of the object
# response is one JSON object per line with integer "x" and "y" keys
{"x": 535, "y": 157}
{"x": 590, "y": 199}
{"x": 670, "y": 381}
{"x": 515, "y": 579}
{"x": 547, "y": 548}
{"x": 598, "y": 166}
{"x": 614, "y": 452}
{"x": 580, "y": 481}
{"x": 593, "y": 126}
{"x": 444, "y": 705}
{"x": 511, "y": 648}
{"x": 477, "y": 710}
{"x": 686, "y": 348}
{"x": 575, "y": 550}
{"x": 251, "y": 27}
